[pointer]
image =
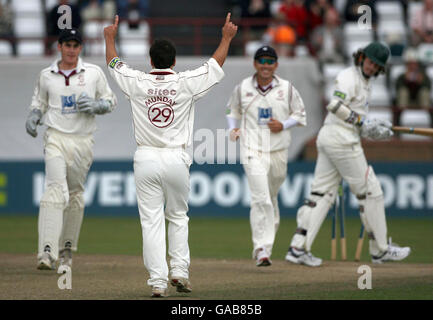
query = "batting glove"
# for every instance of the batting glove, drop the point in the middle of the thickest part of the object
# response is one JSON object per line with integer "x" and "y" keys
{"x": 376, "y": 129}
{"x": 89, "y": 105}
{"x": 33, "y": 120}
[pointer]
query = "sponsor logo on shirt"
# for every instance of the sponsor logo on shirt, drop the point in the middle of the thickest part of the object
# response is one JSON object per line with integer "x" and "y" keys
{"x": 339, "y": 94}
{"x": 264, "y": 115}
{"x": 154, "y": 100}
{"x": 161, "y": 92}
{"x": 69, "y": 104}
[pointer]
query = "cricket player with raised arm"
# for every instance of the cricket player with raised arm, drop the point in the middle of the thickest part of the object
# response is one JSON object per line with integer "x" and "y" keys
{"x": 67, "y": 96}
{"x": 162, "y": 103}
{"x": 267, "y": 107}
{"x": 340, "y": 156}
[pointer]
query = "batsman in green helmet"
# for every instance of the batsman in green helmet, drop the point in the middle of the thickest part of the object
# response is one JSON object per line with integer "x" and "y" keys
{"x": 340, "y": 156}
{"x": 376, "y": 53}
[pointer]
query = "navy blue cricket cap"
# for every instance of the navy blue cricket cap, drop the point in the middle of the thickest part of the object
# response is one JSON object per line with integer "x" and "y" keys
{"x": 70, "y": 34}
{"x": 265, "y": 51}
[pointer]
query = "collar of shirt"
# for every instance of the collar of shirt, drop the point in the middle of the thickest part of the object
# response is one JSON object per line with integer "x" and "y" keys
{"x": 162, "y": 72}
{"x": 274, "y": 83}
{"x": 55, "y": 66}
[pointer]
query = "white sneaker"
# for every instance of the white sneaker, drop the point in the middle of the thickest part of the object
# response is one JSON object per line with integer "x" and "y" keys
{"x": 301, "y": 257}
{"x": 65, "y": 257}
{"x": 46, "y": 261}
{"x": 158, "y": 292}
{"x": 263, "y": 259}
{"x": 394, "y": 253}
{"x": 181, "y": 284}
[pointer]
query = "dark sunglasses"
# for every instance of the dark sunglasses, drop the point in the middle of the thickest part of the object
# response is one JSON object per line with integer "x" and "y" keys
{"x": 264, "y": 60}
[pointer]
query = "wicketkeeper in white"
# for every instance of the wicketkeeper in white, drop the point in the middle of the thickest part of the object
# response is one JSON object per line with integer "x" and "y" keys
{"x": 267, "y": 107}
{"x": 341, "y": 156}
{"x": 162, "y": 103}
{"x": 67, "y": 96}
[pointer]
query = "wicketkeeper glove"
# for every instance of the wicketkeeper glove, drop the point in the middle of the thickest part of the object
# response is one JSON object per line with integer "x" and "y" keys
{"x": 376, "y": 129}
{"x": 33, "y": 120}
{"x": 91, "y": 106}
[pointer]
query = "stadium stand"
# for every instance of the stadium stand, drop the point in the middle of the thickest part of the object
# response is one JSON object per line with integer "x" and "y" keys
{"x": 194, "y": 27}
{"x": 29, "y": 27}
{"x": 5, "y": 49}
{"x": 134, "y": 42}
{"x": 389, "y": 11}
{"x": 356, "y": 37}
{"x": 92, "y": 32}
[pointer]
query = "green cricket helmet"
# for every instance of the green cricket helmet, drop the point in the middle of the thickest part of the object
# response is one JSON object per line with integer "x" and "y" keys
{"x": 377, "y": 52}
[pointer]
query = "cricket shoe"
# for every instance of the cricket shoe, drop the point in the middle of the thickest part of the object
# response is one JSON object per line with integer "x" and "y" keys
{"x": 65, "y": 257}
{"x": 301, "y": 257}
{"x": 263, "y": 259}
{"x": 158, "y": 292}
{"x": 394, "y": 253}
{"x": 46, "y": 261}
{"x": 181, "y": 284}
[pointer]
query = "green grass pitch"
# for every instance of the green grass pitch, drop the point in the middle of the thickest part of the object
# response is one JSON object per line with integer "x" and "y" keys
{"x": 220, "y": 238}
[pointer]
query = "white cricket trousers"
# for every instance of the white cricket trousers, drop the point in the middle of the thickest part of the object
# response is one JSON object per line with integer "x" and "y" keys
{"x": 265, "y": 171}
{"x": 67, "y": 162}
{"x": 162, "y": 183}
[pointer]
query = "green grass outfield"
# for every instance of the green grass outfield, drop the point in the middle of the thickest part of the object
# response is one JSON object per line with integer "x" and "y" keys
{"x": 220, "y": 238}
{"x": 220, "y": 246}
{"x": 225, "y": 239}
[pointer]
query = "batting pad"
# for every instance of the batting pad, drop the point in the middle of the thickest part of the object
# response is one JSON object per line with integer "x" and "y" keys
{"x": 317, "y": 215}
{"x": 72, "y": 220}
{"x": 311, "y": 218}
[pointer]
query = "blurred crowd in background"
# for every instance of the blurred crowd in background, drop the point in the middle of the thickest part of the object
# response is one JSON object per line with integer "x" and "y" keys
{"x": 327, "y": 30}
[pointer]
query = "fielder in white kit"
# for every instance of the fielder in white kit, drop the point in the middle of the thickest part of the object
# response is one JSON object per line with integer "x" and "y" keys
{"x": 341, "y": 156}
{"x": 267, "y": 107}
{"x": 162, "y": 103}
{"x": 68, "y": 95}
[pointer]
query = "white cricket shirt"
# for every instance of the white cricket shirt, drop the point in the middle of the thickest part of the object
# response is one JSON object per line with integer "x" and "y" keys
{"x": 162, "y": 101}
{"x": 255, "y": 108}
{"x": 56, "y": 95}
{"x": 353, "y": 90}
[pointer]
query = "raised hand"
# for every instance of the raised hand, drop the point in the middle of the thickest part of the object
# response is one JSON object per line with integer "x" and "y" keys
{"x": 229, "y": 29}
{"x": 228, "y": 32}
{"x": 111, "y": 31}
